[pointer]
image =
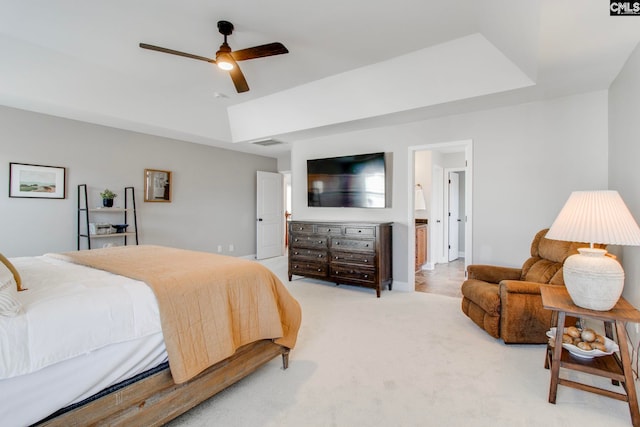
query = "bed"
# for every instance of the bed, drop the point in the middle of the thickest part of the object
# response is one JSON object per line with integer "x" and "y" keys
{"x": 135, "y": 334}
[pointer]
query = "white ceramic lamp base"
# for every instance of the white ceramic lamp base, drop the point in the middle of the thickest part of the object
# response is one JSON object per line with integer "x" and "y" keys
{"x": 593, "y": 280}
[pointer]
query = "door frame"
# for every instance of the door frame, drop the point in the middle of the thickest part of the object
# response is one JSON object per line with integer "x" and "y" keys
{"x": 437, "y": 230}
{"x": 461, "y": 145}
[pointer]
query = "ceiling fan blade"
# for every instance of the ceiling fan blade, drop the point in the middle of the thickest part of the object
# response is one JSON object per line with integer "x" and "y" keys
{"x": 238, "y": 78}
{"x": 176, "y": 52}
{"x": 259, "y": 51}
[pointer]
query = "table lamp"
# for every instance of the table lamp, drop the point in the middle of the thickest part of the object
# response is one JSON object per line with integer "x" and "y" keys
{"x": 594, "y": 280}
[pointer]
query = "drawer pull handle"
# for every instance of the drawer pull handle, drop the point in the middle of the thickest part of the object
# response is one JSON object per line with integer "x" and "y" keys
{"x": 295, "y": 240}
{"x": 359, "y": 231}
{"x": 337, "y": 243}
{"x": 366, "y": 276}
{"x": 319, "y": 269}
{"x": 366, "y": 260}
{"x": 300, "y": 228}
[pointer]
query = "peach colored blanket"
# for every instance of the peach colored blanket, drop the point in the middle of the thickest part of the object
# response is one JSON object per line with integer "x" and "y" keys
{"x": 210, "y": 305}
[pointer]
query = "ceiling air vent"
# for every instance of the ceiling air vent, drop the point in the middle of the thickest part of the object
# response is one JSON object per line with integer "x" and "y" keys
{"x": 267, "y": 142}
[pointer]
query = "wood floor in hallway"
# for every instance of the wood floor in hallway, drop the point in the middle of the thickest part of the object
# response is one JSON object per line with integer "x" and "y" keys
{"x": 444, "y": 279}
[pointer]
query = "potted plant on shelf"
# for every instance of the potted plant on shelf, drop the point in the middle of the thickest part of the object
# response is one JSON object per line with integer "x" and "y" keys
{"x": 107, "y": 198}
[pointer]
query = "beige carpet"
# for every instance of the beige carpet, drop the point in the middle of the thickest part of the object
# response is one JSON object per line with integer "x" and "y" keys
{"x": 406, "y": 359}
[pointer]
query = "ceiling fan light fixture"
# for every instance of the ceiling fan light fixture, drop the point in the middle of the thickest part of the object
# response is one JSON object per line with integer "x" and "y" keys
{"x": 224, "y": 65}
{"x": 223, "y": 61}
{"x": 223, "y": 57}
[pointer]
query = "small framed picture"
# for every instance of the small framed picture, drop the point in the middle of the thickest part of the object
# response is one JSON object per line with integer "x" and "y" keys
{"x": 37, "y": 181}
{"x": 157, "y": 185}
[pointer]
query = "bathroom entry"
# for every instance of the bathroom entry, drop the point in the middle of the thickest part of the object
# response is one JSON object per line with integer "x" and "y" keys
{"x": 444, "y": 174}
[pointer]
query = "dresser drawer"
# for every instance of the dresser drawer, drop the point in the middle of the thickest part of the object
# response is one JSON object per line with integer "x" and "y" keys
{"x": 360, "y": 231}
{"x": 353, "y": 258}
{"x": 296, "y": 227}
{"x": 358, "y": 274}
{"x": 299, "y": 240}
{"x": 367, "y": 245}
{"x": 304, "y": 268}
{"x": 329, "y": 229}
{"x": 308, "y": 254}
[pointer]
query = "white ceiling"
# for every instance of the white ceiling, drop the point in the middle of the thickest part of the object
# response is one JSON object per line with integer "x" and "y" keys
{"x": 352, "y": 64}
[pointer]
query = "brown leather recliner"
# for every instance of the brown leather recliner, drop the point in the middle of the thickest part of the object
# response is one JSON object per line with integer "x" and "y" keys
{"x": 506, "y": 302}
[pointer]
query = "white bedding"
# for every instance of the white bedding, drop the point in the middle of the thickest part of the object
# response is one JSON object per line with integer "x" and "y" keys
{"x": 69, "y": 310}
{"x": 73, "y": 315}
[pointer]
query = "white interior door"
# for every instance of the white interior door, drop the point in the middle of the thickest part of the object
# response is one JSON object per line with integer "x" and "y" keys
{"x": 454, "y": 214}
{"x": 269, "y": 215}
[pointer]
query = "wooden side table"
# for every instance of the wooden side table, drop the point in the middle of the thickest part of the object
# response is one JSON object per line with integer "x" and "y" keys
{"x": 617, "y": 368}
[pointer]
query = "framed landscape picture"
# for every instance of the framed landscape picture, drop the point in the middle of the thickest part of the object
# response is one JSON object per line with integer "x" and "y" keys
{"x": 36, "y": 181}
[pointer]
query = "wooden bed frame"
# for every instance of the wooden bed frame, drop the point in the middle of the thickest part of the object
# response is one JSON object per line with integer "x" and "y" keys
{"x": 156, "y": 399}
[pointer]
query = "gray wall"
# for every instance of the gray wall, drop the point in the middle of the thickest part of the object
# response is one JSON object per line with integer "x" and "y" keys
{"x": 624, "y": 173}
{"x": 214, "y": 190}
{"x": 526, "y": 161}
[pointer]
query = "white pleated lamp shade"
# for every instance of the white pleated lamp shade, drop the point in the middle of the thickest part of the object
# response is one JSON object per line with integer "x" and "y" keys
{"x": 593, "y": 280}
{"x": 596, "y": 217}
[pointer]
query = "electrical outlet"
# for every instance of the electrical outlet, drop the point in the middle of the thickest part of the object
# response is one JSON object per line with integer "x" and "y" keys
{"x": 219, "y": 248}
{"x": 231, "y": 248}
{"x": 637, "y": 328}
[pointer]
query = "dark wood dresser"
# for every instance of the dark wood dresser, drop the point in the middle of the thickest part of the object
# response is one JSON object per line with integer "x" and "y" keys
{"x": 354, "y": 253}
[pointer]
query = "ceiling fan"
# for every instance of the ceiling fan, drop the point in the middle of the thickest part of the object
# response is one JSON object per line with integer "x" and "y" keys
{"x": 226, "y": 58}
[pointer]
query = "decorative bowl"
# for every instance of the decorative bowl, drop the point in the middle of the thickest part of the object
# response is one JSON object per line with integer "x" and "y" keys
{"x": 120, "y": 228}
{"x": 611, "y": 346}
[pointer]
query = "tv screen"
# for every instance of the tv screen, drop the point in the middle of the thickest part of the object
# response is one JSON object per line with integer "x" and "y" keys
{"x": 350, "y": 181}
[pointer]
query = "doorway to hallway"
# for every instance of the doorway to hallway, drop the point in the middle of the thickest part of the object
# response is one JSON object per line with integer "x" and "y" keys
{"x": 444, "y": 172}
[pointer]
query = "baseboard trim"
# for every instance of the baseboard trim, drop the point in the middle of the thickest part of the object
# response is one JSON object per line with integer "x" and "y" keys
{"x": 402, "y": 287}
{"x": 429, "y": 266}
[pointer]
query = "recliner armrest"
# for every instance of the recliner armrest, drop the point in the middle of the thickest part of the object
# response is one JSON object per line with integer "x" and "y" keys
{"x": 492, "y": 273}
{"x": 520, "y": 287}
{"x": 523, "y": 319}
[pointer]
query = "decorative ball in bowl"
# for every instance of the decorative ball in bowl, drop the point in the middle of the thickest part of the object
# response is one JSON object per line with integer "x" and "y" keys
{"x": 585, "y": 344}
{"x": 120, "y": 228}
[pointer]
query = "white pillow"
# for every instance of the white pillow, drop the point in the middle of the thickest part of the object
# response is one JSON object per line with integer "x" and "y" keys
{"x": 9, "y": 303}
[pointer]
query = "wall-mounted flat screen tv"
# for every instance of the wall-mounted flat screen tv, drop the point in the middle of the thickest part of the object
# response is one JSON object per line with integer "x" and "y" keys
{"x": 358, "y": 181}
